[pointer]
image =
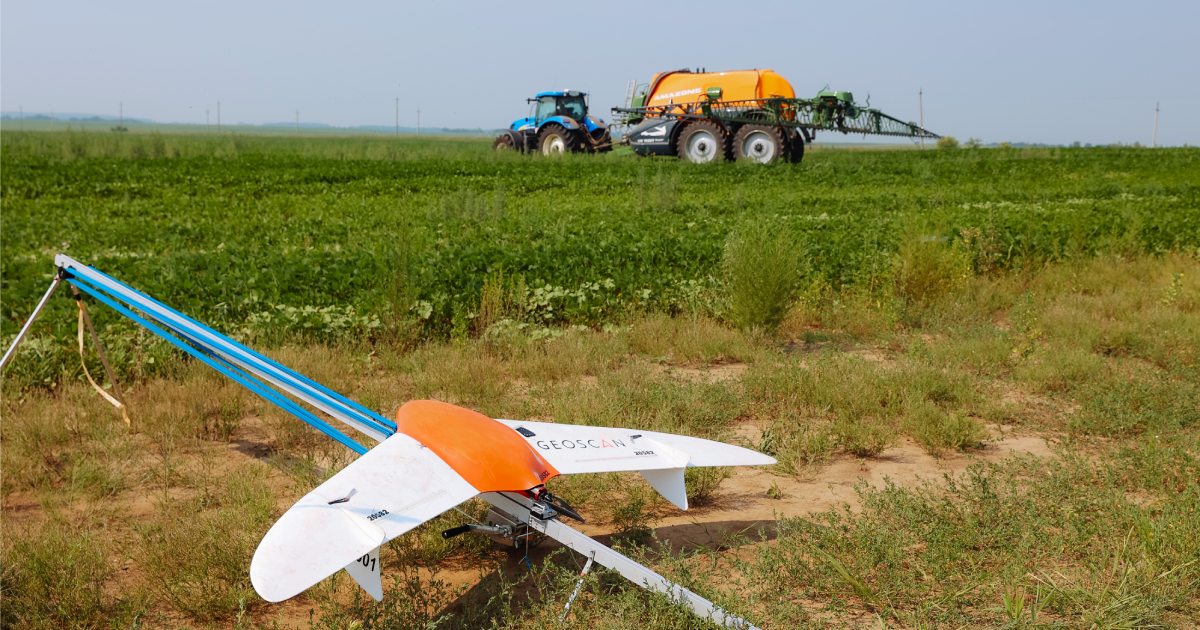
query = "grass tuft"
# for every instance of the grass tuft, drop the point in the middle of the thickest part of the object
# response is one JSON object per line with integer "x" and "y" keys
{"x": 196, "y": 553}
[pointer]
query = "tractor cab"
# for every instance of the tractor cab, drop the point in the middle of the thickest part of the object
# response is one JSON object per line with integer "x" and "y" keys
{"x": 570, "y": 104}
{"x": 559, "y": 123}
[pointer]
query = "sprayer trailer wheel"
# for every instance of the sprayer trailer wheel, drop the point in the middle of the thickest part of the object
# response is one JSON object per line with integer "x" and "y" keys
{"x": 554, "y": 139}
{"x": 796, "y": 147}
{"x": 758, "y": 143}
{"x": 701, "y": 142}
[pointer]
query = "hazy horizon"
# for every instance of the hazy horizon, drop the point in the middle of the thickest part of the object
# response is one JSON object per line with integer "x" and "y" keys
{"x": 1052, "y": 73}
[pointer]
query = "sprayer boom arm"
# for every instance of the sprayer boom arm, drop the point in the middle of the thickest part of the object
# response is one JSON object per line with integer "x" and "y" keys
{"x": 816, "y": 114}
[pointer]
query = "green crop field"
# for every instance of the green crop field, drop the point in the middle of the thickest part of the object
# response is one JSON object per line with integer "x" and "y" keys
{"x": 337, "y": 237}
{"x": 832, "y": 314}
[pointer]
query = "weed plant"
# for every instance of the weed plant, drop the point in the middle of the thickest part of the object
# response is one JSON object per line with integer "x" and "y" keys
{"x": 196, "y": 554}
{"x": 761, "y": 265}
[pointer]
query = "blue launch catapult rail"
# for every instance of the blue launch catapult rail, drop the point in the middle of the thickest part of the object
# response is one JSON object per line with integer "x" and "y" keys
{"x": 258, "y": 374}
{"x": 245, "y": 366}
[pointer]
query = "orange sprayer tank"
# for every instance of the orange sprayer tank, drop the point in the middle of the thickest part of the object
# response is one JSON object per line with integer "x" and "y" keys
{"x": 738, "y": 85}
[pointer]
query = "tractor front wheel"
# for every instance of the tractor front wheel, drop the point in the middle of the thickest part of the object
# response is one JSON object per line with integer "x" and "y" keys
{"x": 702, "y": 142}
{"x": 554, "y": 139}
{"x": 758, "y": 143}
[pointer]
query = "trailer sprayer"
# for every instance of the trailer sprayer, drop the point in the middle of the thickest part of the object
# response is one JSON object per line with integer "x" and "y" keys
{"x": 761, "y": 121}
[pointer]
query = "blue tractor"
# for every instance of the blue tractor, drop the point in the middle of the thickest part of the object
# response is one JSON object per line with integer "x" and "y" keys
{"x": 560, "y": 124}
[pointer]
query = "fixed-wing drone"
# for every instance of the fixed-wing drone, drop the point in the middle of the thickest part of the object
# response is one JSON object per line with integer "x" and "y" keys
{"x": 434, "y": 457}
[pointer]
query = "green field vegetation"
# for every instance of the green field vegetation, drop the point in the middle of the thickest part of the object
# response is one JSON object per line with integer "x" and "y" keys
{"x": 355, "y": 237}
{"x": 928, "y": 295}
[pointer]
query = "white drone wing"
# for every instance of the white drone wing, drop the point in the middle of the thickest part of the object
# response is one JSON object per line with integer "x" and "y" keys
{"x": 661, "y": 458}
{"x": 395, "y": 487}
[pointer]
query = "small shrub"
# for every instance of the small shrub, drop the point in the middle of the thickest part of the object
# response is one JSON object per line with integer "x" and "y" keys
{"x": 702, "y": 482}
{"x": 937, "y": 430}
{"x": 797, "y": 444}
{"x": 761, "y": 264}
{"x": 631, "y": 521}
{"x": 947, "y": 142}
{"x": 927, "y": 269}
{"x": 865, "y": 437}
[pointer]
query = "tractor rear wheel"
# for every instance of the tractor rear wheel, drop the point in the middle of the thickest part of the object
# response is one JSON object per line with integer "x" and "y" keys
{"x": 796, "y": 147}
{"x": 554, "y": 139}
{"x": 758, "y": 143}
{"x": 701, "y": 142}
{"x": 505, "y": 143}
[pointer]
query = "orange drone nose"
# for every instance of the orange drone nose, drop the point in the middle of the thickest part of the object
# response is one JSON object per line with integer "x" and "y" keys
{"x": 488, "y": 454}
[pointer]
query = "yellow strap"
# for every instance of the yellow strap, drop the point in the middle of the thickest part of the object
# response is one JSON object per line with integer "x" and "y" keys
{"x": 83, "y": 360}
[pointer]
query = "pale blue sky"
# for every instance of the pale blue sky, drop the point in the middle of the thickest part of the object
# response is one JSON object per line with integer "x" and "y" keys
{"x": 1053, "y": 72}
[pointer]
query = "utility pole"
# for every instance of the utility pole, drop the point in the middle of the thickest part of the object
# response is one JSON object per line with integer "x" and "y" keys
{"x": 297, "y": 122}
{"x": 121, "y": 114}
{"x": 397, "y": 116}
{"x": 921, "y": 105}
{"x": 218, "y": 116}
{"x": 22, "y": 110}
{"x": 207, "y": 124}
{"x": 1154, "y": 138}
{"x": 418, "y": 121}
